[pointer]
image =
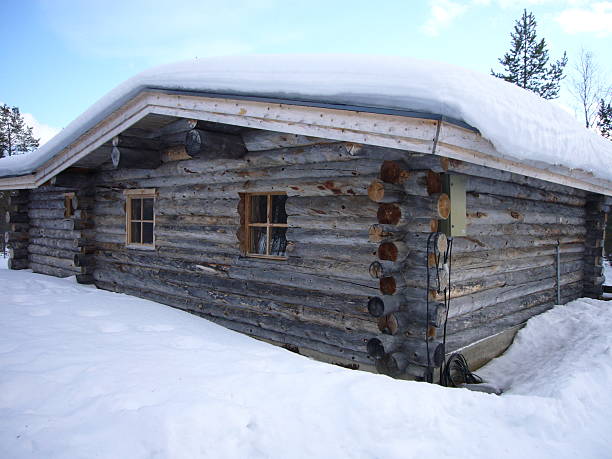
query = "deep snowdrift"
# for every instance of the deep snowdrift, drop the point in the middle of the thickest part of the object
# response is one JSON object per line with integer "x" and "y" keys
{"x": 87, "y": 373}
{"x": 520, "y": 124}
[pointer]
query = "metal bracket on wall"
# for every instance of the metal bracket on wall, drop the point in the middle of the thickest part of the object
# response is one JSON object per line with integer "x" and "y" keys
{"x": 455, "y": 224}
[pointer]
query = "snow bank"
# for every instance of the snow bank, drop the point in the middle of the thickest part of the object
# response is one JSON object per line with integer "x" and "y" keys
{"x": 521, "y": 125}
{"x": 87, "y": 373}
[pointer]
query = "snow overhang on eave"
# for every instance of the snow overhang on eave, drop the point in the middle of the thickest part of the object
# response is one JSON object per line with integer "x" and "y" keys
{"x": 411, "y": 131}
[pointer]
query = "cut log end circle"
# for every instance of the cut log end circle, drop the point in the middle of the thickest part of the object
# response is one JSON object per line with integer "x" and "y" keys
{"x": 376, "y": 191}
{"x": 392, "y": 172}
{"x": 375, "y": 348}
{"x": 444, "y": 206}
{"x": 388, "y": 251}
{"x": 387, "y": 285}
{"x": 389, "y": 214}
{"x": 376, "y": 307}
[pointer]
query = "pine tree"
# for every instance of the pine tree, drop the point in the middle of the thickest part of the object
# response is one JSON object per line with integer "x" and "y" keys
{"x": 15, "y": 136}
{"x": 604, "y": 119}
{"x": 526, "y": 64}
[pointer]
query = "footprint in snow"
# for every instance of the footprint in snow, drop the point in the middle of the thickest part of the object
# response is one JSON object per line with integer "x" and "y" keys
{"x": 155, "y": 328}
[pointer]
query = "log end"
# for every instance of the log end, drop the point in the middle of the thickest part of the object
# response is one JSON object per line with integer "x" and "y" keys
{"x": 388, "y": 285}
{"x": 388, "y": 251}
{"x": 392, "y": 172}
{"x": 375, "y": 348}
{"x": 376, "y": 270}
{"x": 376, "y": 306}
{"x": 444, "y": 206}
{"x": 376, "y": 191}
{"x": 389, "y": 214}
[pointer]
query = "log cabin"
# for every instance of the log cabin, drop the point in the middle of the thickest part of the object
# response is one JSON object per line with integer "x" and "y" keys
{"x": 347, "y": 223}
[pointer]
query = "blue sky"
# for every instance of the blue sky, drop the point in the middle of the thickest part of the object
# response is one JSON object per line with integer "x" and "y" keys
{"x": 60, "y": 56}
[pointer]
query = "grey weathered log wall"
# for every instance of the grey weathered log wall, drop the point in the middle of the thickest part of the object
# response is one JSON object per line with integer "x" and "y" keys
{"x": 502, "y": 273}
{"x": 315, "y": 301}
{"x": 354, "y": 288}
{"x": 505, "y": 270}
{"x": 18, "y": 223}
{"x": 57, "y": 245}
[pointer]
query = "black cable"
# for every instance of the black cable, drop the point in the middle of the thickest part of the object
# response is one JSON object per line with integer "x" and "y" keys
{"x": 458, "y": 363}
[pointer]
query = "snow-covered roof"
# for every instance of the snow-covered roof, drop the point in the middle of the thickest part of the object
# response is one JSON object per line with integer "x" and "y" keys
{"x": 521, "y": 126}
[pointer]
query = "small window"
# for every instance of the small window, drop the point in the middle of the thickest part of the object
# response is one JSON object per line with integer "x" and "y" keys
{"x": 140, "y": 218}
{"x": 68, "y": 205}
{"x": 266, "y": 225}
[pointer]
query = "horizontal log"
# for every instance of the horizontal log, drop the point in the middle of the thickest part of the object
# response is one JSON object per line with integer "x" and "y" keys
{"x": 507, "y": 291}
{"x": 18, "y": 263}
{"x": 457, "y": 341}
{"x": 213, "y": 278}
{"x": 436, "y": 206}
{"x": 484, "y": 202}
{"x": 138, "y": 143}
{"x": 413, "y": 319}
{"x": 336, "y": 206}
{"x": 72, "y": 180}
{"x": 207, "y": 144}
{"x": 275, "y": 160}
{"x": 52, "y": 252}
{"x": 10, "y": 217}
{"x": 520, "y": 191}
{"x": 462, "y": 167}
{"x": 259, "y": 140}
{"x": 383, "y": 192}
{"x": 54, "y": 261}
{"x": 354, "y": 339}
{"x": 11, "y": 236}
{"x": 181, "y": 125}
{"x": 486, "y": 316}
{"x": 509, "y": 216}
{"x": 50, "y": 270}
{"x": 18, "y": 253}
{"x": 135, "y": 158}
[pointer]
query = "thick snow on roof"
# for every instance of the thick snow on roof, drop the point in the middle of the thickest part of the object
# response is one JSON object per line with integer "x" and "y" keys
{"x": 521, "y": 125}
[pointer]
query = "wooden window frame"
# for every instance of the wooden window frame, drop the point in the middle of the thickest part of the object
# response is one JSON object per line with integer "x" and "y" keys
{"x": 268, "y": 225}
{"x": 138, "y": 194}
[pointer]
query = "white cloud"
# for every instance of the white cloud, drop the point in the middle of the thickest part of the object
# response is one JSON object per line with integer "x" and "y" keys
{"x": 443, "y": 13}
{"x": 42, "y": 131}
{"x": 596, "y": 18}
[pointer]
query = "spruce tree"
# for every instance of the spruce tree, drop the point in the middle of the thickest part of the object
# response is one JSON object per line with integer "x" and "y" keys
{"x": 526, "y": 64}
{"x": 15, "y": 136}
{"x": 604, "y": 119}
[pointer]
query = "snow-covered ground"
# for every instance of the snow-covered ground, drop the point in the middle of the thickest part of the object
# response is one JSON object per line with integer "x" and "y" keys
{"x": 87, "y": 373}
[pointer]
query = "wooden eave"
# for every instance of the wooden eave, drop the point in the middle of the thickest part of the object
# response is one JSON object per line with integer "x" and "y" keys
{"x": 428, "y": 136}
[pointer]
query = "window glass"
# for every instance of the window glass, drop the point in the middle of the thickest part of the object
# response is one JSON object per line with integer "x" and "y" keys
{"x": 279, "y": 214}
{"x": 259, "y": 236}
{"x": 278, "y": 242}
{"x": 147, "y": 233}
{"x": 136, "y": 208}
{"x": 147, "y": 209}
{"x": 259, "y": 209}
{"x": 135, "y": 232}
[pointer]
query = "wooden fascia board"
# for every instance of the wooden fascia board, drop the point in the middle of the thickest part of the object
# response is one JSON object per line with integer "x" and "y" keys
{"x": 457, "y": 143}
{"x": 400, "y": 132}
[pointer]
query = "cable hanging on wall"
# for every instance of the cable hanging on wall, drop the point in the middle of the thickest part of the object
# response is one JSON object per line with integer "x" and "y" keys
{"x": 456, "y": 367}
